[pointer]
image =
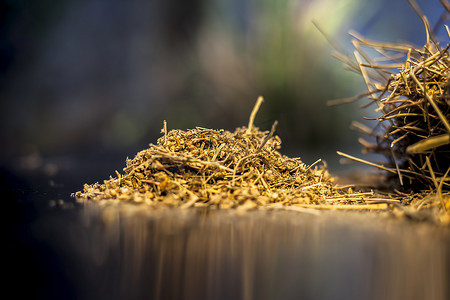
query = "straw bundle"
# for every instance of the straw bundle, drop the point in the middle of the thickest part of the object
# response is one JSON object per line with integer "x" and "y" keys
{"x": 410, "y": 87}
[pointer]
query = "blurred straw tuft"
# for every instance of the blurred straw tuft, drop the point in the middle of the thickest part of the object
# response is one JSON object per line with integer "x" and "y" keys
{"x": 409, "y": 87}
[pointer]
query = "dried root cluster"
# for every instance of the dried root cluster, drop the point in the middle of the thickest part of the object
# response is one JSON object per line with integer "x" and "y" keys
{"x": 410, "y": 88}
{"x": 413, "y": 131}
{"x": 221, "y": 169}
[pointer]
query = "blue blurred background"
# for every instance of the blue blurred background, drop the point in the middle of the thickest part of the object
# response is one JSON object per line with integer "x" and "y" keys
{"x": 98, "y": 77}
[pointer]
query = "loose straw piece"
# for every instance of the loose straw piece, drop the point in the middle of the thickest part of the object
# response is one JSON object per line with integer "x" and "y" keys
{"x": 316, "y": 162}
{"x": 367, "y": 162}
{"x": 268, "y": 137}
{"x": 431, "y": 172}
{"x": 253, "y": 113}
{"x": 396, "y": 166}
{"x": 342, "y": 207}
{"x": 428, "y": 144}
{"x": 165, "y": 131}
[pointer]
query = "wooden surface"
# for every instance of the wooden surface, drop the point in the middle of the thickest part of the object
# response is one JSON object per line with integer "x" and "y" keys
{"x": 129, "y": 252}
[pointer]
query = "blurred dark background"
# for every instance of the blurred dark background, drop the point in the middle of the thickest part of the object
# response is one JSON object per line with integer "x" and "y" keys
{"x": 96, "y": 78}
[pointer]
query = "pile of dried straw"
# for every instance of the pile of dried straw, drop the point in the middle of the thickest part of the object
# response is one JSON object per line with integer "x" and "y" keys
{"x": 221, "y": 169}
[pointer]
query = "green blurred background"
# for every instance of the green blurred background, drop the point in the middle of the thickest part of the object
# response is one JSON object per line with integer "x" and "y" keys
{"x": 99, "y": 76}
